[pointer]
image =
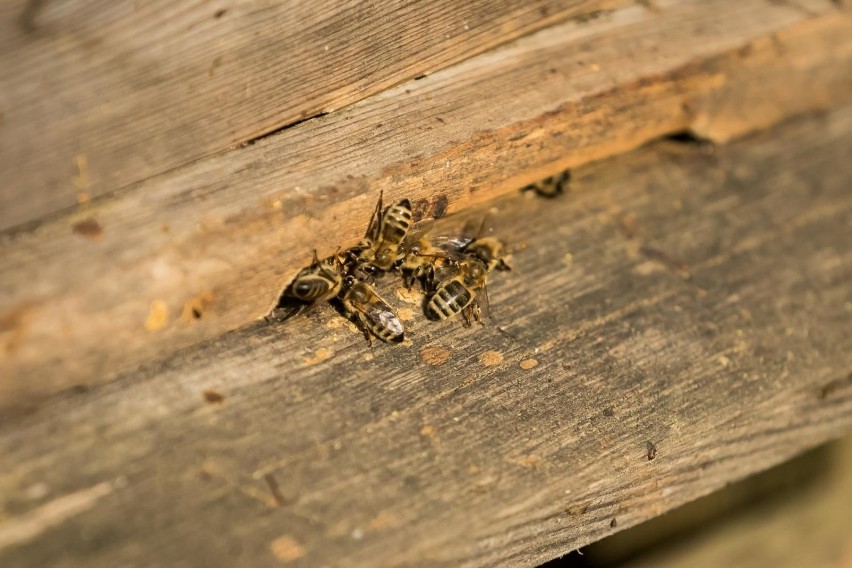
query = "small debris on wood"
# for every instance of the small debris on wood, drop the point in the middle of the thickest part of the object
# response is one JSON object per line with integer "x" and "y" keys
{"x": 273, "y": 488}
{"x": 651, "y": 450}
{"x": 88, "y": 228}
{"x": 213, "y": 397}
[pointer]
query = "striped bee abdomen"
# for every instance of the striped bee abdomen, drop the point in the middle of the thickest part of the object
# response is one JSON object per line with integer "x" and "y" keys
{"x": 396, "y": 222}
{"x": 311, "y": 287}
{"x": 448, "y": 300}
{"x": 387, "y": 327}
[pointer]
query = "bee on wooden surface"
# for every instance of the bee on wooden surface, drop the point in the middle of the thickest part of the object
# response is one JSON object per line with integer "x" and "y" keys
{"x": 321, "y": 280}
{"x": 370, "y": 312}
{"x": 380, "y": 248}
{"x": 456, "y": 288}
{"x": 550, "y": 187}
{"x": 422, "y": 255}
{"x": 490, "y": 252}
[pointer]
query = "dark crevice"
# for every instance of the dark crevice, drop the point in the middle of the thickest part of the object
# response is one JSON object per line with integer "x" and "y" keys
{"x": 27, "y": 227}
{"x": 687, "y": 137}
{"x": 256, "y": 139}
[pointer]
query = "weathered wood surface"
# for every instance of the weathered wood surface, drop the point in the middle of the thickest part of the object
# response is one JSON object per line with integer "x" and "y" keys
{"x": 809, "y": 528}
{"x": 98, "y": 95}
{"x": 98, "y": 290}
{"x": 680, "y": 304}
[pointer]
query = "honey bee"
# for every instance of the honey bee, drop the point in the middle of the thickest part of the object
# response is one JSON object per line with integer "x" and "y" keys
{"x": 322, "y": 280}
{"x": 552, "y": 186}
{"x": 490, "y": 252}
{"x": 421, "y": 256}
{"x": 456, "y": 289}
{"x": 370, "y": 312}
{"x": 381, "y": 247}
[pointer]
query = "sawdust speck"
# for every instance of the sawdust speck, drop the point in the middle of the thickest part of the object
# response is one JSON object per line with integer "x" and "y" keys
{"x": 286, "y": 549}
{"x": 158, "y": 316}
{"x": 409, "y": 296}
{"x": 320, "y": 355}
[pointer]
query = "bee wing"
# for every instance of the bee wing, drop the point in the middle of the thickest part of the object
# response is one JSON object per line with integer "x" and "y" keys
{"x": 382, "y": 314}
{"x": 418, "y": 231}
{"x": 484, "y": 303}
{"x": 451, "y": 244}
{"x": 445, "y": 272}
{"x": 473, "y": 228}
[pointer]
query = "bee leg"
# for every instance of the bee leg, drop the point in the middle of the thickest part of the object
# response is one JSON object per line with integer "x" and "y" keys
{"x": 409, "y": 280}
{"x": 466, "y": 313}
{"x": 429, "y": 283}
{"x": 359, "y": 321}
{"x": 476, "y": 313}
{"x": 503, "y": 266}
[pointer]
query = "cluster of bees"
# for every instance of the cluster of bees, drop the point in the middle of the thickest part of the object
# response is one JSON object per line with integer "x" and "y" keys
{"x": 452, "y": 272}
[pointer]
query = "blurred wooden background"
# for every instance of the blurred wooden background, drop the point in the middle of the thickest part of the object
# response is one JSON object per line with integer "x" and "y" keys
{"x": 677, "y": 321}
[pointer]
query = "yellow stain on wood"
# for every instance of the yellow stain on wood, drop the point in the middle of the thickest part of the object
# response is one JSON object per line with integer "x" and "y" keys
{"x": 409, "y": 296}
{"x": 14, "y": 325}
{"x": 491, "y": 358}
{"x": 431, "y": 434}
{"x": 527, "y": 364}
{"x": 382, "y": 520}
{"x": 405, "y": 314}
{"x": 335, "y": 323}
{"x": 319, "y": 356}
{"x": 434, "y": 355}
{"x": 286, "y": 549}
{"x": 158, "y": 316}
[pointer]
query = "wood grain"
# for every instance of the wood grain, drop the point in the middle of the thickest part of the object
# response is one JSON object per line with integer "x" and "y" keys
{"x": 98, "y": 95}
{"x": 770, "y": 533}
{"x": 691, "y": 301}
{"x": 117, "y": 282}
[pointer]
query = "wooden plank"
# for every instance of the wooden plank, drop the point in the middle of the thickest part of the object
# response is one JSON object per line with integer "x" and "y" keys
{"x": 678, "y": 321}
{"x": 773, "y": 533}
{"x": 98, "y": 95}
{"x": 114, "y": 283}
